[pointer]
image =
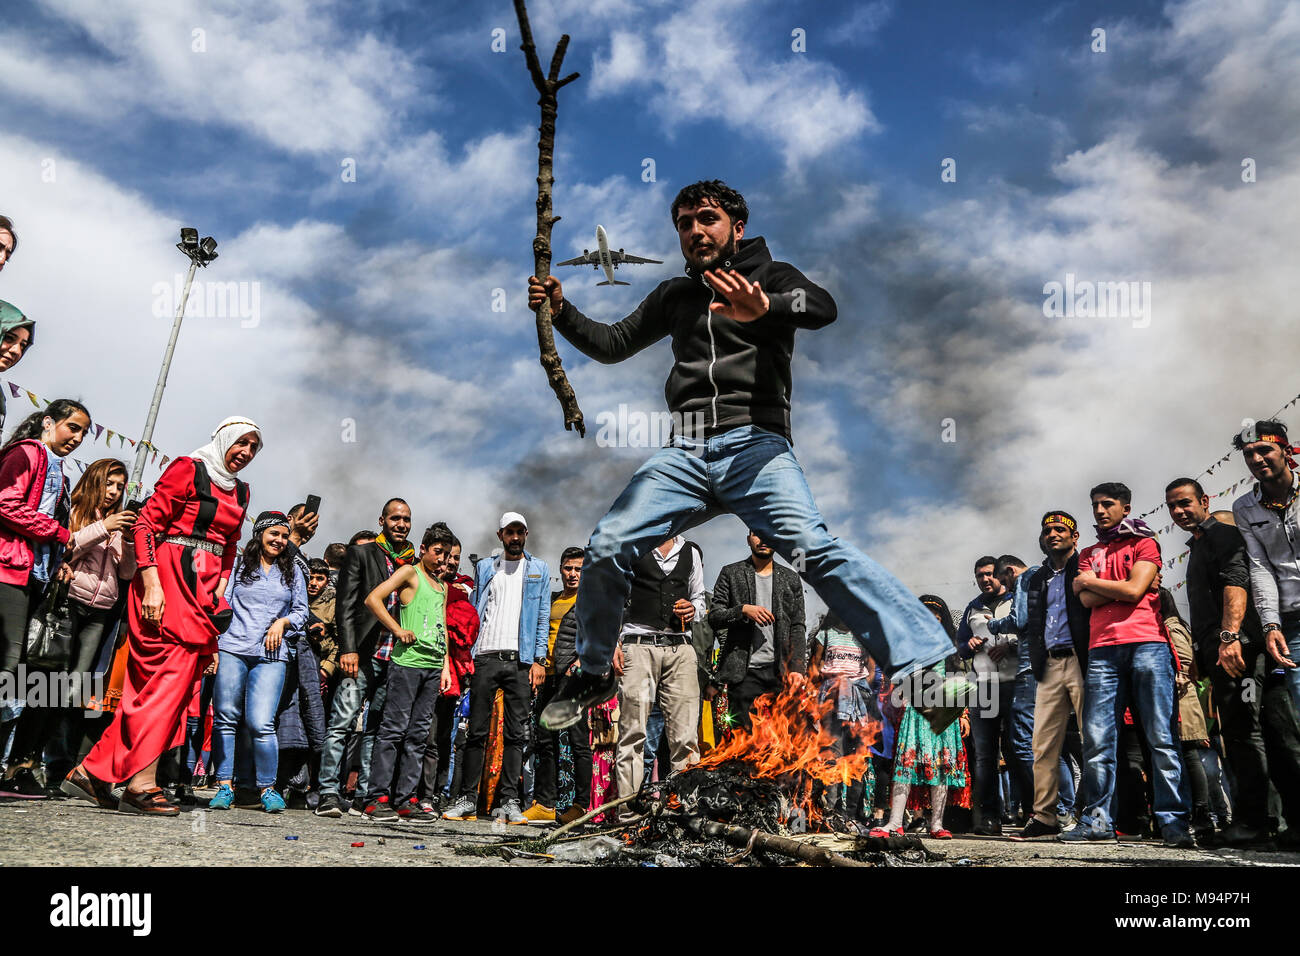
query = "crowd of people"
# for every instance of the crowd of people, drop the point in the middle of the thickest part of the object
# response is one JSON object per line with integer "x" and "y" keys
{"x": 379, "y": 680}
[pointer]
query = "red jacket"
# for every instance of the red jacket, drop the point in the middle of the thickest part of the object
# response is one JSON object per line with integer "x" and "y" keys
{"x": 22, "y": 479}
{"x": 462, "y": 632}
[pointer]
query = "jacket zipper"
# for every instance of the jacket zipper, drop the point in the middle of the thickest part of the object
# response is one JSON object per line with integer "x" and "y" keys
{"x": 713, "y": 352}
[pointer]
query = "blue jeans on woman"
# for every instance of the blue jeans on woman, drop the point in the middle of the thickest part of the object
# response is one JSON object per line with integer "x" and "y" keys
{"x": 752, "y": 473}
{"x": 1140, "y": 676}
{"x": 248, "y": 691}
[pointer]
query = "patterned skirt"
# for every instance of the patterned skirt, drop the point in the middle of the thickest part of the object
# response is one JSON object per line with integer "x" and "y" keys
{"x": 924, "y": 759}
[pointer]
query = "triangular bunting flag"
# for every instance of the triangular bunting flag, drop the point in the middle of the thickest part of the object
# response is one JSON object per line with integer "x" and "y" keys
{"x": 166, "y": 458}
{"x": 14, "y": 390}
{"x": 33, "y": 398}
{"x": 99, "y": 430}
{"x": 110, "y": 436}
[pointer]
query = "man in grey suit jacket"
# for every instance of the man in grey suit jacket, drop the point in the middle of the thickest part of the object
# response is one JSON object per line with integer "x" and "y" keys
{"x": 758, "y": 616}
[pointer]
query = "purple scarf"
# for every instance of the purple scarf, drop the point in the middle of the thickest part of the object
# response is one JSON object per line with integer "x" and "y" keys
{"x": 1134, "y": 526}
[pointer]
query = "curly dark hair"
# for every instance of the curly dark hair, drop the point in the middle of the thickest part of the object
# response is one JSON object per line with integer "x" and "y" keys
{"x": 732, "y": 202}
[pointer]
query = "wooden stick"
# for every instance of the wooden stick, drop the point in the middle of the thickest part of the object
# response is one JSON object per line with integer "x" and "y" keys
{"x": 547, "y": 86}
{"x": 555, "y": 834}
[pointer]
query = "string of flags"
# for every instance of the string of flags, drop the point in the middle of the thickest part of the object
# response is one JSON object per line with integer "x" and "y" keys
{"x": 97, "y": 431}
{"x": 1224, "y": 460}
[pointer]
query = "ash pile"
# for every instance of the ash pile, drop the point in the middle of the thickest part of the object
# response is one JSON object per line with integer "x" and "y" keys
{"x": 726, "y": 816}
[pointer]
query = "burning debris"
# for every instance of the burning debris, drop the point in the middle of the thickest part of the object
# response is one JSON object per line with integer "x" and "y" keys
{"x": 768, "y": 796}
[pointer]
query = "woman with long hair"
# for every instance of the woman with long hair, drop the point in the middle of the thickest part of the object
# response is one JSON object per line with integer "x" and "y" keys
{"x": 268, "y": 595}
{"x": 923, "y": 758}
{"x": 185, "y": 545}
{"x": 98, "y": 555}
{"x": 33, "y": 531}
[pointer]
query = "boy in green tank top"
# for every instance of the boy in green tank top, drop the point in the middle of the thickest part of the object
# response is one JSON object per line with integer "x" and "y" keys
{"x": 418, "y": 673}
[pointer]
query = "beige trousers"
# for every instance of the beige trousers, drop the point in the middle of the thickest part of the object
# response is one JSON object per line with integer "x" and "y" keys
{"x": 1060, "y": 689}
{"x": 666, "y": 674}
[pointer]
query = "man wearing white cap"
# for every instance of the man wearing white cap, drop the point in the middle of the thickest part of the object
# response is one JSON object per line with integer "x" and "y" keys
{"x": 513, "y": 596}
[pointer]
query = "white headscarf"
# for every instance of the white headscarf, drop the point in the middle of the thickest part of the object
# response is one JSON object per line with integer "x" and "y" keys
{"x": 213, "y": 454}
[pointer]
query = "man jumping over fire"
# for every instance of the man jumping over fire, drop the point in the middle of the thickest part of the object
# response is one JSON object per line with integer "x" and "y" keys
{"x": 732, "y": 319}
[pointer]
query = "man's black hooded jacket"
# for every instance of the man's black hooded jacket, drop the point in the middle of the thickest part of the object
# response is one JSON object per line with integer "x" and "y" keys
{"x": 727, "y": 373}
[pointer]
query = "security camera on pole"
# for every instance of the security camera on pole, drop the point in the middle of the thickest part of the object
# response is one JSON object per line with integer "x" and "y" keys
{"x": 200, "y": 253}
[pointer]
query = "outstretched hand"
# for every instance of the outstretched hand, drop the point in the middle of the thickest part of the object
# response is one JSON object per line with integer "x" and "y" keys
{"x": 747, "y": 299}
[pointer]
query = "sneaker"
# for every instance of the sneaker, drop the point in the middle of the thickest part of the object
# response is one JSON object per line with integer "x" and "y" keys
{"x": 412, "y": 811}
{"x": 539, "y": 814}
{"x": 1177, "y": 836}
{"x": 465, "y": 808}
{"x": 357, "y": 807}
{"x": 579, "y": 691}
{"x": 311, "y": 799}
{"x": 1035, "y": 829}
{"x": 272, "y": 802}
{"x": 510, "y": 812}
{"x": 432, "y": 805}
{"x": 23, "y": 785}
{"x": 1090, "y": 830}
{"x": 378, "y": 809}
{"x": 988, "y": 828}
{"x": 224, "y": 799}
{"x": 331, "y": 805}
{"x": 574, "y": 812}
{"x": 940, "y": 700}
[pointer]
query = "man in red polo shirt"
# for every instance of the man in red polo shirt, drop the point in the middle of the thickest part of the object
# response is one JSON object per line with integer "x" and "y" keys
{"x": 1130, "y": 664}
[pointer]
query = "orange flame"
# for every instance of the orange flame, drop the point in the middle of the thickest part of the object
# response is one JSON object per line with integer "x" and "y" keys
{"x": 789, "y": 739}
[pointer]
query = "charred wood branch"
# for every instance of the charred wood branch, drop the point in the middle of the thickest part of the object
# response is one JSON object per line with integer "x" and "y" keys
{"x": 758, "y": 840}
{"x": 547, "y": 85}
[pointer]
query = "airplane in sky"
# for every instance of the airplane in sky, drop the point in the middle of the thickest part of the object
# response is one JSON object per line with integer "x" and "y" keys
{"x": 603, "y": 258}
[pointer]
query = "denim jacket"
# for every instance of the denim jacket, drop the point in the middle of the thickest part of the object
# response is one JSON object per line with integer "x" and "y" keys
{"x": 535, "y": 618}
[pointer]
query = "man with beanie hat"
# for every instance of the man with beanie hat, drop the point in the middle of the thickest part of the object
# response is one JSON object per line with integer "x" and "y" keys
{"x": 1267, "y": 517}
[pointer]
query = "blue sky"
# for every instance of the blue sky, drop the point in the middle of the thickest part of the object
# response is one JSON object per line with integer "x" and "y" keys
{"x": 375, "y": 296}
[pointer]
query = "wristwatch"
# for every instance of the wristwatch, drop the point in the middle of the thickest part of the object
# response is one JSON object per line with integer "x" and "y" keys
{"x": 1229, "y": 637}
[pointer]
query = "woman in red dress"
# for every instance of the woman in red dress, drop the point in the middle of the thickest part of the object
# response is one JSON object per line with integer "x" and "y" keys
{"x": 185, "y": 543}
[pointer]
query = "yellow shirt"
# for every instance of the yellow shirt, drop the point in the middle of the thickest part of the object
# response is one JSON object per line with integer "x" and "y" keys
{"x": 559, "y": 607}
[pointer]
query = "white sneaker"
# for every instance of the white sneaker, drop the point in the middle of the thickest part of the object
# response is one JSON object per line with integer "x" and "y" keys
{"x": 510, "y": 812}
{"x": 465, "y": 808}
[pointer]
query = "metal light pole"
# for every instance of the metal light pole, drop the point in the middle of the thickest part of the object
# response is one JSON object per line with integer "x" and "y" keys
{"x": 200, "y": 254}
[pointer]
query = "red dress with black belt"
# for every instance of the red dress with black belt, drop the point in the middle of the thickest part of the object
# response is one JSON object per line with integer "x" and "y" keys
{"x": 189, "y": 530}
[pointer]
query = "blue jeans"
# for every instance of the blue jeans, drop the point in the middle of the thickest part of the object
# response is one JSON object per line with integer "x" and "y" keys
{"x": 752, "y": 473}
{"x": 248, "y": 691}
{"x": 349, "y": 698}
{"x": 1140, "y": 676}
{"x": 654, "y": 736}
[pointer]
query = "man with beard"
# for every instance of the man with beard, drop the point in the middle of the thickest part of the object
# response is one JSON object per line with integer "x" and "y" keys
{"x": 512, "y": 593}
{"x": 364, "y": 649}
{"x": 732, "y": 321}
{"x": 1259, "y": 728}
{"x": 757, "y": 615}
{"x": 1268, "y": 517}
